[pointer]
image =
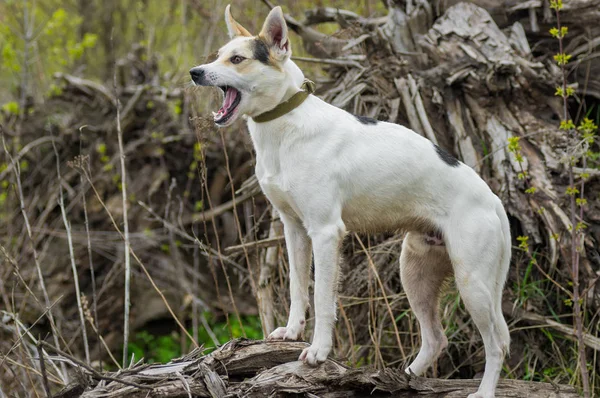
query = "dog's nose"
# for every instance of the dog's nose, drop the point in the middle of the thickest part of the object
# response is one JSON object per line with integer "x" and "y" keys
{"x": 197, "y": 75}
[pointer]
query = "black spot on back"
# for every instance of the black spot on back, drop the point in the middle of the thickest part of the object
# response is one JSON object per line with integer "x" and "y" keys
{"x": 446, "y": 157}
{"x": 366, "y": 120}
{"x": 260, "y": 51}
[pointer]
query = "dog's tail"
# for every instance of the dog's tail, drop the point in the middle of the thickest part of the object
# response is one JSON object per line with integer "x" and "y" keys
{"x": 502, "y": 273}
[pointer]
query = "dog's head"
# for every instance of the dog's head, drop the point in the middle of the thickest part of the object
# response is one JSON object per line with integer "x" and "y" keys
{"x": 254, "y": 72}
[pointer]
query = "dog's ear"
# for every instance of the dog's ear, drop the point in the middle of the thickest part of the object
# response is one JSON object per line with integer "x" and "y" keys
{"x": 275, "y": 34}
{"x": 233, "y": 27}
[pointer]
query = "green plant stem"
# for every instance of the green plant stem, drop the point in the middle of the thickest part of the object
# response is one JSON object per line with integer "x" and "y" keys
{"x": 574, "y": 239}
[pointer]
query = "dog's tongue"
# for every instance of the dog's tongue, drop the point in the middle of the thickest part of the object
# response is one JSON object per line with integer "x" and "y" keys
{"x": 230, "y": 95}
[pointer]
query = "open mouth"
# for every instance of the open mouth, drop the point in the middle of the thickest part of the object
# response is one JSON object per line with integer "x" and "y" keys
{"x": 232, "y": 98}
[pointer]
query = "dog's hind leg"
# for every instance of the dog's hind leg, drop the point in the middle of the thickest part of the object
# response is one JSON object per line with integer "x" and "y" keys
{"x": 477, "y": 248}
{"x": 423, "y": 269}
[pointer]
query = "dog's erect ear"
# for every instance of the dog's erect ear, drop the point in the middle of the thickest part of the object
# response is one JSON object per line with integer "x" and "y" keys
{"x": 233, "y": 27}
{"x": 275, "y": 34}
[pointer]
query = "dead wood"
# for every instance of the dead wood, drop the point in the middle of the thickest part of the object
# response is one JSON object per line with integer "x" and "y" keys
{"x": 246, "y": 368}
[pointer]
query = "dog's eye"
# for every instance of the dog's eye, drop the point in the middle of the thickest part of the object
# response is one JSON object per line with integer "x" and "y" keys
{"x": 236, "y": 59}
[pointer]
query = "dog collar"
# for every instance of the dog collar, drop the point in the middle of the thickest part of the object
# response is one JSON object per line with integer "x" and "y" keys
{"x": 308, "y": 87}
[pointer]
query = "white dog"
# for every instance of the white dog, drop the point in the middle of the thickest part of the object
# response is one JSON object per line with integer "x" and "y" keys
{"x": 328, "y": 172}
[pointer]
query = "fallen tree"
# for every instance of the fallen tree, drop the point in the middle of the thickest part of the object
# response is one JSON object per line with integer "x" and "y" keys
{"x": 246, "y": 368}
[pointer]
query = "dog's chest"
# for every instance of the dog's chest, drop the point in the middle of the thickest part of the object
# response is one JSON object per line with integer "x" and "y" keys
{"x": 275, "y": 182}
{"x": 273, "y": 170}
{"x": 278, "y": 192}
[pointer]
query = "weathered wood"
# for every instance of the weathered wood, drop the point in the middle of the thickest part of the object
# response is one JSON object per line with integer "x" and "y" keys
{"x": 272, "y": 369}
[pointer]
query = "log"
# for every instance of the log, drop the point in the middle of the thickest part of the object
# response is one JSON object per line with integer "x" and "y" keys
{"x": 249, "y": 368}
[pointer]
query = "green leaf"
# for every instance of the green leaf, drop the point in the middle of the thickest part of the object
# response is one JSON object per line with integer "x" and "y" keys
{"x": 556, "y": 4}
{"x": 567, "y": 125}
{"x": 11, "y": 107}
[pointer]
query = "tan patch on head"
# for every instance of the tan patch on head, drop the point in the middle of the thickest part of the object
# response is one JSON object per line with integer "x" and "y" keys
{"x": 273, "y": 62}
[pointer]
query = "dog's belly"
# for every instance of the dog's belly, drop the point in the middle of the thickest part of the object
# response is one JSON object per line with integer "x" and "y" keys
{"x": 377, "y": 214}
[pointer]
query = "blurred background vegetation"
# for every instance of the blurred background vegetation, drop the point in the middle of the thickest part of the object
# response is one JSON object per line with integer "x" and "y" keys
{"x": 41, "y": 37}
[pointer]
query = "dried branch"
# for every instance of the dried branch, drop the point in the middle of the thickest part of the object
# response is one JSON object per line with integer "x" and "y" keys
{"x": 61, "y": 203}
{"x": 17, "y": 173}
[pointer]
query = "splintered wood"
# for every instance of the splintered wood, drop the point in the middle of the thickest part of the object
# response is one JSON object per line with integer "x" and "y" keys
{"x": 247, "y": 368}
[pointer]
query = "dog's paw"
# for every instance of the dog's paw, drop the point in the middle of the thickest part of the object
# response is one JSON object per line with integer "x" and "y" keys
{"x": 277, "y": 334}
{"x": 285, "y": 333}
{"x": 479, "y": 394}
{"x": 315, "y": 354}
{"x": 293, "y": 331}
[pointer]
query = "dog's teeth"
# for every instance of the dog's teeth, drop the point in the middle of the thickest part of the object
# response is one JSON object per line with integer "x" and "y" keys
{"x": 214, "y": 114}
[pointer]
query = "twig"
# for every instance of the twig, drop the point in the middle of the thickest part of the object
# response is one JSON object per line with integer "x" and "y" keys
{"x": 101, "y": 339}
{"x": 61, "y": 204}
{"x": 127, "y": 244}
{"x": 589, "y": 340}
{"x": 339, "y": 62}
{"x": 86, "y": 86}
{"x": 268, "y": 264}
{"x": 93, "y": 371}
{"x": 43, "y": 369}
{"x": 428, "y": 130}
{"x": 139, "y": 261}
{"x": 203, "y": 180}
{"x": 387, "y": 303}
{"x": 259, "y": 244}
{"x": 575, "y": 234}
{"x": 205, "y": 249}
{"x": 27, "y": 332}
{"x": 209, "y": 330}
{"x": 90, "y": 258}
{"x": 17, "y": 172}
{"x": 24, "y": 151}
{"x": 216, "y": 211}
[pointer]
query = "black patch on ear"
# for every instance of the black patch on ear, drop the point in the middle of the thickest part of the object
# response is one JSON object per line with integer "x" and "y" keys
{"x": 366, "y": 120}
{"x": 446, "y": 157}
{"x": 260, "y": 51}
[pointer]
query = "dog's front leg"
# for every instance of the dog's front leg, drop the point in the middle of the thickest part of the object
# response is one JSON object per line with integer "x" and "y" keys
{"x": 299, "y": 254}
{"x": 326, "y": 244}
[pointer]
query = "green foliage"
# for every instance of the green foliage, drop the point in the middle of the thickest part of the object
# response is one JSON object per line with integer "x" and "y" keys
{"x": 567, "y": 125}
{"x": 155, "y": 348}
{"x": 523, "y": 242}
{"x": 163, "y": 348}
{"x": 562, "y": 58}
{"x": 53, "y": 44}
{"x": 514, "y": 147}
{"x": 559, "y": 34}
{"x": 12, "y": 108}
{"x": 64, "y": 47}
{"x": 587, "y": 128}
{"x": 560, "y": 92}
{"x": 556, "y": 4}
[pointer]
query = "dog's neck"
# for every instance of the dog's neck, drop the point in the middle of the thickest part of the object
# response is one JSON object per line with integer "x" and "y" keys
{"x": 294, "y": 76}
{"x": 290, "y": 85}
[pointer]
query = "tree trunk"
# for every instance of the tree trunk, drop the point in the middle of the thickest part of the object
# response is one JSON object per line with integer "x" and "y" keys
{"x": 245, "y": 368}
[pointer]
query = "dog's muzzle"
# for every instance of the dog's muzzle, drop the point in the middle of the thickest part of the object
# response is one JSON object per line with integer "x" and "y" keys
{"x": 197, "y": 74}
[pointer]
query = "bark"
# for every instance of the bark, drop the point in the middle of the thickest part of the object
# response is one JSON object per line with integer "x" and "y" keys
{"x": 246, "y": 368}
